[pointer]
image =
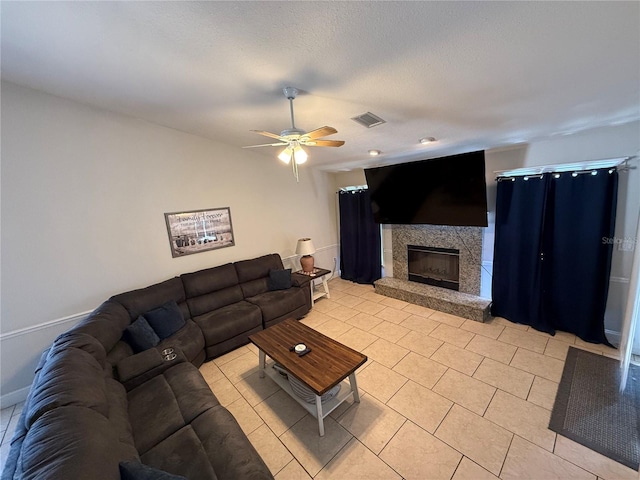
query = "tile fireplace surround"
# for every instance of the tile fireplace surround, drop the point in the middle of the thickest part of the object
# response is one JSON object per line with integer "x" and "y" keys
{"x": 468, "y": 240}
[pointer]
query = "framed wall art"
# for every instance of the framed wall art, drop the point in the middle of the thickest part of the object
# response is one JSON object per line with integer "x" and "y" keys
{"x": 199, "y": 230}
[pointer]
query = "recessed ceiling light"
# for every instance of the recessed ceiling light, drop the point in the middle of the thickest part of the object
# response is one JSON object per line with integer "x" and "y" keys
{"x": 374, "y": 153}
{"x": 425, "y": 140}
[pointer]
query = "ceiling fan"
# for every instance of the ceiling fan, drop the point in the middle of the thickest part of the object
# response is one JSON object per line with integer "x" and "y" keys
{"x": 293, "y": 139}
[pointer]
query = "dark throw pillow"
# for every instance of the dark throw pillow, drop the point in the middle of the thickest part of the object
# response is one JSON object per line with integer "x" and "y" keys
{"x": 140, "y": 471}
{"x": 279, "y": 279}
{"x": 165, "y": 320}
{"x": 140, "y": 335}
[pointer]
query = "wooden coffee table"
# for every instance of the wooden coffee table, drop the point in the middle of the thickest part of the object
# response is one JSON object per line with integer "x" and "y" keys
{"x": 327, "y": 364}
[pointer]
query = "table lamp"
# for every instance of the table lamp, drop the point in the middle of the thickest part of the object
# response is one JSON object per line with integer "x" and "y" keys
{"x": 306, "y": 249}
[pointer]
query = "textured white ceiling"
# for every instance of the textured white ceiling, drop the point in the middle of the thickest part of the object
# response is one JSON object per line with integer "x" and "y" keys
{"x": 472, "y": 74}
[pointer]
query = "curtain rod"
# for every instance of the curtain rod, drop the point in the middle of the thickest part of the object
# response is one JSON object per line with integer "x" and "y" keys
{"x": 568, "y": 167}
{"x": 352, "y": 188}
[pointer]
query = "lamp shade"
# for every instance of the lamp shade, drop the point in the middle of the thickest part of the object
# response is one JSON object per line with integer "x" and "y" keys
{"x": 285, "y": 155}
{"x": 300, "y": 155}
{"x": 305, "y": 247}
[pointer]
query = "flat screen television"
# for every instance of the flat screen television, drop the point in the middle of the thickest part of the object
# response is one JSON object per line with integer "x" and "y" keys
{"x": 442, "y": 191}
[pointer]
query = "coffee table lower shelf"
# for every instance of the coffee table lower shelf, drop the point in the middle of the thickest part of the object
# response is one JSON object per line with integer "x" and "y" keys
{"x": 319, "y": 409}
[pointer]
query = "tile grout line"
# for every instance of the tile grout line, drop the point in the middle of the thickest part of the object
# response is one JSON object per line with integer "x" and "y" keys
{"x": 385, "y": 446}
{"x": 506, "y": 454}
{"x": 457, "y": 467}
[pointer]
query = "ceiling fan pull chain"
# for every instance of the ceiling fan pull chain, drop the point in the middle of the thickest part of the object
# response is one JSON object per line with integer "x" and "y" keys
{"x": 295, "y": 168}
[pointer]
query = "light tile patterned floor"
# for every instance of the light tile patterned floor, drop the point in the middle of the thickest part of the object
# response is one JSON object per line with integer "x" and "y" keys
{"x": 441, "y": 398}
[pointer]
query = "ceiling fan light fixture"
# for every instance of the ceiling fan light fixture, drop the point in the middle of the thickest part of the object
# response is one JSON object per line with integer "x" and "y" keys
{"x": 285, "y": 155}
{"x": 294, "y": 138}
{"x": 300, "y": 155}
{"x": 374, "y": 153}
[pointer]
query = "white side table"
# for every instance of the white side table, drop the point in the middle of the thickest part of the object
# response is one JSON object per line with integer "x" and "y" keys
{"x": 316, "y": 293}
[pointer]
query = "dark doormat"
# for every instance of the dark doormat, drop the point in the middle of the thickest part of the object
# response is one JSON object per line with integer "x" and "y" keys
{"x": 590, "y": 410}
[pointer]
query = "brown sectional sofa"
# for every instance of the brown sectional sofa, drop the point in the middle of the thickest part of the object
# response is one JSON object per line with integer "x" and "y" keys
{"x": 96, "y": 409}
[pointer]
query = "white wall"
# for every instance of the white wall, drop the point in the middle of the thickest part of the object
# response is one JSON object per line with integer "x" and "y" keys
{"x": 83, "y": 197}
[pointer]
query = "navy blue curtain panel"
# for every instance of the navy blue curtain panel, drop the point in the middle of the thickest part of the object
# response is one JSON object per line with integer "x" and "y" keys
{"x": 360, "y": 255}
{"x": 577, "y": 255}
{"x": 517, "y": 276}
{"x": 552, "y": 257}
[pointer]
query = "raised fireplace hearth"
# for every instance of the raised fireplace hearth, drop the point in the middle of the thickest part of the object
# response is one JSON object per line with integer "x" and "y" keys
{"x": 461, "y": 304}
{"x": 435, "y": 266}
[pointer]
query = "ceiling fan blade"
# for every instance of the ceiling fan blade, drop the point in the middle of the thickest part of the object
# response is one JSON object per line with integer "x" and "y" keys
{"x": 266, "y": 134}
{"x": 325, "y": 143}
{"x": 267, "y": 145}
{"x": 321, "y": 132}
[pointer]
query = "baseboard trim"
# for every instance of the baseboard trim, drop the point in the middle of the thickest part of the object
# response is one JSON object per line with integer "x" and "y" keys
{"x": 616, "y": 338}
{"x": 618, "y": 279}
{"x": 78, "y": 317}
{"x": 14, "y": 397}
{"x": 613, "y": 336}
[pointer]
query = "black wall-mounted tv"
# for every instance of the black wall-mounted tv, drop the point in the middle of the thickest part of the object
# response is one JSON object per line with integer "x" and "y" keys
{"x": 442, "y": 191}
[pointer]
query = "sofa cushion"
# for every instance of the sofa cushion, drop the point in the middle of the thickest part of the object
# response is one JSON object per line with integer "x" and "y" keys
{"x": 214, "y": 300}
{"x": 257, "y": 267}
{"x": 176, "y": 396}
{"x": 166, "y": 319}
{"x": 119, "y": 412}
{"x": 189, "y": 339}
{"x": 140, "y": 471}
{"x": 191, "y": 390}
{"x": 209, "y": 280}
{"x": 253, "y": 274}
{"x": 279, "y": 279}
{"x": 72, "y": 442}
{"x": 182, "y": 453}
{"x": 81, "y": 341}
{"x": 230, "y": 451}
{"x": 69, "y": 377}
{"x": 106, "y": 323}
{"x": 137, "y": 302}
{"x": 140, "y": 335}
{"x": 228, "y": 322}
{"x": 154, "y": 413}
{"x": 211, "y": 289}
{"x": 212, "y": 446}
{"x": 119, "y": 351}
{"x": 279, "y": 302}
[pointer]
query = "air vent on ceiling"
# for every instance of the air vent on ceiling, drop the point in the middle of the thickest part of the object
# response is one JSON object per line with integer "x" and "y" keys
{"x": 368, "y": 120}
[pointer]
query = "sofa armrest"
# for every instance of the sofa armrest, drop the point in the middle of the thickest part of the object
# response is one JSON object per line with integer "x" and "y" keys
{"x": 137, "y": 369}
{"x": 300, "y": 280}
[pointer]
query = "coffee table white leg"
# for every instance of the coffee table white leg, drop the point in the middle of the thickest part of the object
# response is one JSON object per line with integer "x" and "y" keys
{"x": 319, "y": 412}
{"x": 262, "y": 359}
{"x": 354, "y": 387}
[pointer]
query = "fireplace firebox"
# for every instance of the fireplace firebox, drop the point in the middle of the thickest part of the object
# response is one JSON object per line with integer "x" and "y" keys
{"x": 439, "y": 267}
